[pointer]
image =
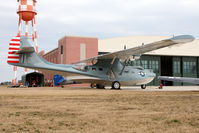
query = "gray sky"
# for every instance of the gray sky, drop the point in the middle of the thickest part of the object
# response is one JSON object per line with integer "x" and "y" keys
{"x": 98, "y": 18}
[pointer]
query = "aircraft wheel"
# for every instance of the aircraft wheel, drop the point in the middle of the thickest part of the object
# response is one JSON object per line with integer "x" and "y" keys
{"x": 143, "y": 86}
{"x": 116, "y": 85}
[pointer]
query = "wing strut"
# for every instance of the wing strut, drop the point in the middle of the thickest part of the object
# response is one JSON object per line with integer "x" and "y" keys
{"x": 110, "y": 70}
{"x": 113, "y": 61}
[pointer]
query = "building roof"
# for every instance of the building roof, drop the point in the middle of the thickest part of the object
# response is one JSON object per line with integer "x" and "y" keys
{"x": 50, "y": 51}
{"x": 116, "y": 44}
{"x": 78, "y": 37}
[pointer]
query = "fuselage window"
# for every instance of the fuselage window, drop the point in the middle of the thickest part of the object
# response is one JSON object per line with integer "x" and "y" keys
{"x": 93, "y": 69}
{"x": 101, "y": 69}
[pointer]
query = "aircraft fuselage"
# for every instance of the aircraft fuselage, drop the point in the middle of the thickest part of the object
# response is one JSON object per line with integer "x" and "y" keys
{"x": 101, "y": 74}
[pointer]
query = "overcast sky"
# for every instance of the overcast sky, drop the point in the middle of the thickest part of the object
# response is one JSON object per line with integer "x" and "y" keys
{"x": 98, "y": 18}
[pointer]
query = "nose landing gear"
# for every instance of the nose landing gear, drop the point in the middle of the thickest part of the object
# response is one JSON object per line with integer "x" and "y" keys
{"x": 143, "y": 86}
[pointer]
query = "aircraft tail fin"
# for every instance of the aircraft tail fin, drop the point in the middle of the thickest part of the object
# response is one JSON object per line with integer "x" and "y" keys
{"x": 17, "y": 46}
{"x": 13, "y": 51}
{"x": 22, "y": 53}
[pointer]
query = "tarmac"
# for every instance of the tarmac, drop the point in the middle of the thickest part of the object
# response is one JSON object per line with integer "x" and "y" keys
{"x": 138, "y": 88}
{"x": 165, "y": 88}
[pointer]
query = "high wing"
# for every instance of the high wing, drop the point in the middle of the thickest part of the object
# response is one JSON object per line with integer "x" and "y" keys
{"x": 180, "y": 79}
{"x": 128, "y": 53}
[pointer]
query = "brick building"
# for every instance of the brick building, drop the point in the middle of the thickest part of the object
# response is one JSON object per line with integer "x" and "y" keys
{"x": 71, "y": 49}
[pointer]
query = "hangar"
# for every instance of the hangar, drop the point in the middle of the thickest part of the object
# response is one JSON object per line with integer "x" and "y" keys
{"x": 182, "y": 61}
{"x": 33, "y": 79}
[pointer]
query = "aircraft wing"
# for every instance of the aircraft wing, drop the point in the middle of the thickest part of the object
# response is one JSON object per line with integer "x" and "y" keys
{"x": 128, "y": 53}
{"x": 180, "y": 79}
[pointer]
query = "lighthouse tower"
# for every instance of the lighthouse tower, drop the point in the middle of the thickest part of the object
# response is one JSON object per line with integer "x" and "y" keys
{"x": 27, "y": 12}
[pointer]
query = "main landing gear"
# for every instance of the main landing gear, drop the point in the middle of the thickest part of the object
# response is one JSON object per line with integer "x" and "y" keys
{"x": 98, "y": 86}
{"x": 93, "y": 85}
{"x": 116, "y": 85}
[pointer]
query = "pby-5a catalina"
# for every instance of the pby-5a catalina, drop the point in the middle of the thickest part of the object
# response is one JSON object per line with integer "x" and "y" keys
{"x": 103, "y": 70}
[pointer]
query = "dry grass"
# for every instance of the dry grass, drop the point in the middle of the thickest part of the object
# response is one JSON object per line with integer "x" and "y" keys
{"x": 45, "y": 110}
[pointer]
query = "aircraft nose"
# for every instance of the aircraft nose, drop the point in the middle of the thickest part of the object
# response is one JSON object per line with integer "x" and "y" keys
{"x": 152, "y": 74}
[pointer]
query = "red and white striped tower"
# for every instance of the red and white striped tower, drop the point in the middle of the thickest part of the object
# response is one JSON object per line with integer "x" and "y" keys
{"x": 15, "y": 76}
{"x": 27, "y": 12}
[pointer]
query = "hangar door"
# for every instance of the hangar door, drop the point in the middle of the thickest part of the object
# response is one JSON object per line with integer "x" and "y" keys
{"x": 167, "y": 68}
{"x": 33, "y": 79}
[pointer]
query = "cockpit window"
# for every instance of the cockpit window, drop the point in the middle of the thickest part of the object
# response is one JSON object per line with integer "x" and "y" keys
{"x": 138, "y": 67}
{"x": 81, "y": 67}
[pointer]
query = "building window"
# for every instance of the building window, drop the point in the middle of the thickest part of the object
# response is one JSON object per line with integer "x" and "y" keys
{"x": 61, "y": 49}
{"x": 176, "y": 67}
{"x": 137, "y": 63}
{"x": 189, "y": 67}
{"x": 153, "y": 64}
{"x": 144, "y": 64}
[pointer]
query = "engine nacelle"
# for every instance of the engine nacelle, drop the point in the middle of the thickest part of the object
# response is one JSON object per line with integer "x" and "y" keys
{"x": 135, "y": 57}
{"x": 81, "y": 67}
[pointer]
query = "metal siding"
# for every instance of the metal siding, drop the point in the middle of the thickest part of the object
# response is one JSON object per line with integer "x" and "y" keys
{"x": 197, "y": 67}
{"x": 177, "y": 74}
{"x": 192, "y": 75}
